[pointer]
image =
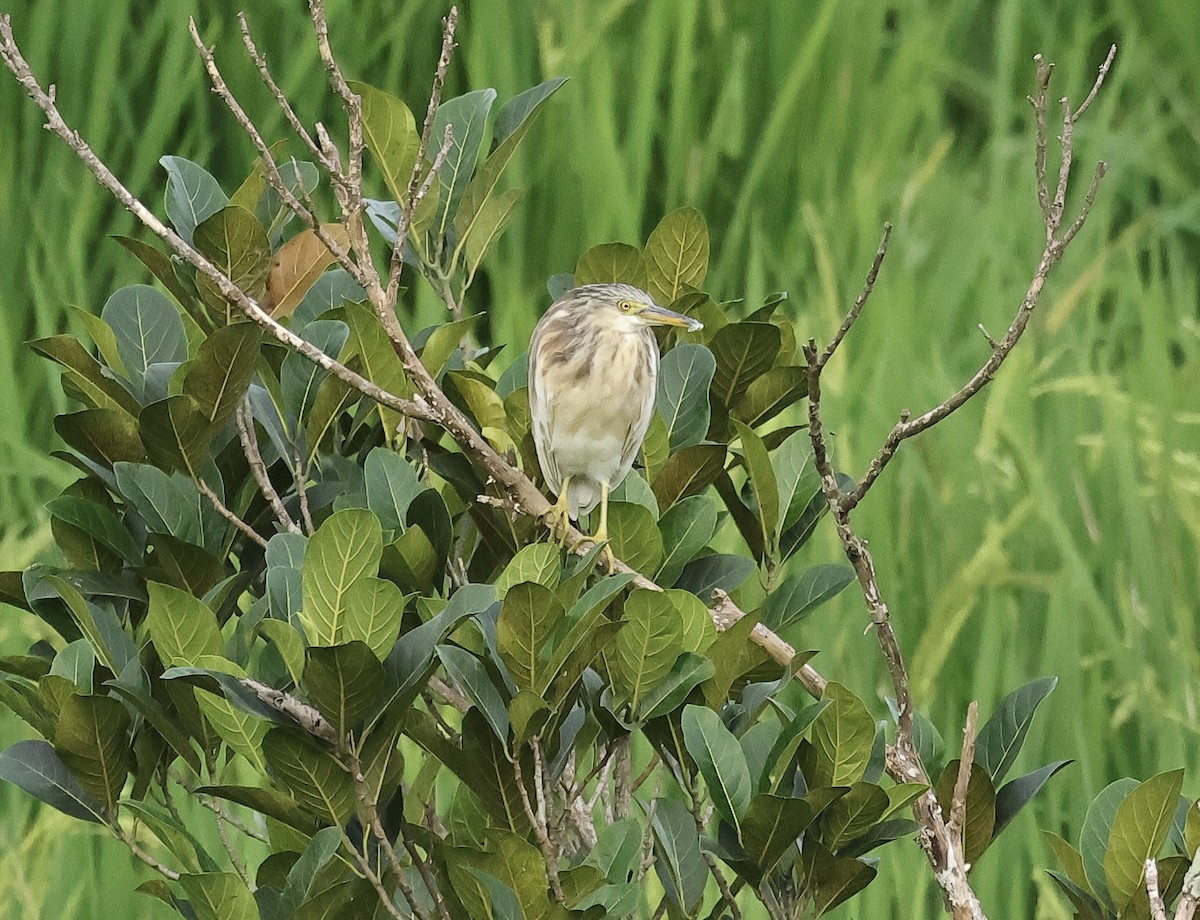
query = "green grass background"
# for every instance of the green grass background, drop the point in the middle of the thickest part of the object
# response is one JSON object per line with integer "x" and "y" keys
{"x": 1052, "y": 527}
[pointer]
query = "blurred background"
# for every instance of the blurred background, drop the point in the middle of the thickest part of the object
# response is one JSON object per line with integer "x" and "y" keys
{"x": 1052, "y": 527}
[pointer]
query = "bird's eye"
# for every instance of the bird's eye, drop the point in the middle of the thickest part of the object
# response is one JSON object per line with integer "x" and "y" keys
{"x": 626, "y": 306}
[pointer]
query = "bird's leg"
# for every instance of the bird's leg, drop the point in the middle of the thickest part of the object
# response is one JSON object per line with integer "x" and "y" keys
{"x": 558, "y": 518}
{"x": 601, "y": 535}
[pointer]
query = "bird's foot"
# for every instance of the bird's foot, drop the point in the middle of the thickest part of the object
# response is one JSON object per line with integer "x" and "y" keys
{"x": 558, "y": 522}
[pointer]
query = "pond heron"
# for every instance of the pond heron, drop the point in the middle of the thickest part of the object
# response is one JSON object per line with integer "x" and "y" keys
{"x": 593, "y": 377}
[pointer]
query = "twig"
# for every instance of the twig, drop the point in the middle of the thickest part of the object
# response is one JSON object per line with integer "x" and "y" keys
{"x": 229, "y": 515}
{"x": 135, "y": 848}
{"x": 710, "y": 860}
{"x": 249, "y": 440}
{"x": 958, "y": 804}
{"x": 1158, "y": 910}
{"x": 289, "y": 113}
{"x": 307, "y": 717}
{"x": 1189, "y": 897}
{"x": 860, "y": 300}
{"x": 538, "y": 820}
{"x": 385, "y": 896}
{"x": 301, "y": 478}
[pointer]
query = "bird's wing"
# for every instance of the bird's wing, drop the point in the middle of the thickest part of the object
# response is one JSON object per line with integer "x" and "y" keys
{"x": 541, "y": 414}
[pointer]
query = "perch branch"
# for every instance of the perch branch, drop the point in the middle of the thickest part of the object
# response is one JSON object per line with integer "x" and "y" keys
{"x": 1158, "y": 910}
{"x": 958, "y": 804}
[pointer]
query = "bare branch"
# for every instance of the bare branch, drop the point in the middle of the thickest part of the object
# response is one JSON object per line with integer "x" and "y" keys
{"x": 538, "y": 820}
{"x": 135, "y": 848}
{"x": 246, "y": 434}
{"x": 1100, "y": 77}
{"x": 301, "y": 478}
{"x": 1158, "y": 910}
{"x": 1189, "y": 897}
{"x": 307, "y": 717}
{"x": 285, "y": 104}
{"x": 229, "y": 515}
{"x": 958, "y": 804}
{"x": 861, "y": 299}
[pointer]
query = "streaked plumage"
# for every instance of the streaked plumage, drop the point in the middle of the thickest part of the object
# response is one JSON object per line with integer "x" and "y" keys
{"x": 593, "y": 377}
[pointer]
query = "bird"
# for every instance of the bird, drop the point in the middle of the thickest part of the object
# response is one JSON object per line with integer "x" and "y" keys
{"x": 593, "y": 379}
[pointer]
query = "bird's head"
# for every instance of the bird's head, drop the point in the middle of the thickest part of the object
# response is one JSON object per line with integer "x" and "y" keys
{"x": 626, "y": 308}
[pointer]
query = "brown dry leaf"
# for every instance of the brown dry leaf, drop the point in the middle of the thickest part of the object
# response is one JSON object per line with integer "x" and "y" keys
{"x": 298, "y": 264}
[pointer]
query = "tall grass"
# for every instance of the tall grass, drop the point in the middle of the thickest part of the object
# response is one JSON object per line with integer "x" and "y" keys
{"x": 1053, "y": 527}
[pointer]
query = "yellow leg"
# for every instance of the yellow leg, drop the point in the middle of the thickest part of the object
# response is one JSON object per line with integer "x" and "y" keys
{"x": 601, "y": 535}
{"x": 558, "y": 518}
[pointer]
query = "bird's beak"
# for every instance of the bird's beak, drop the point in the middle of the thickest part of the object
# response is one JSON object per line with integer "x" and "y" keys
{"x": 655, "y": 315}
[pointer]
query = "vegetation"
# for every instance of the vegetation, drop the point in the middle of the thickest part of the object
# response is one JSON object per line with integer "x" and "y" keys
{"x": 1068, "y": 551}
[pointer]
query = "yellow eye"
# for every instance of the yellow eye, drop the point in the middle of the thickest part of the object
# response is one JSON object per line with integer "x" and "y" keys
{"x": 627, "y": 306}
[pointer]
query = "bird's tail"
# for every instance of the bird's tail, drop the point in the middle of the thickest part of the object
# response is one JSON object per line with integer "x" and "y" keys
{"x": 585, "y": 495}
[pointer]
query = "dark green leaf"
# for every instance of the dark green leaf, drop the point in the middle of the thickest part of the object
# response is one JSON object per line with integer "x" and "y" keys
{"x": 1016, "y": 793}
{"x": 300, "y": 378}
{"x": 646, "y": 648}
{"x": 720, "y": 570}
{"x": 35, "y": 767}
{"x": 684, "y": 379}
{"x": 680, "y": 860}
{"x": 97, "y": 522}
{"x": 219, "y": 377}
{"x": 744, "y": 352}
{"x": 770, "y": 394}
{"x": 107, "y": 436}
{"x": 720, "y": 760}
{"x": 686, "y": 528}
{"x": 344, "y": 682}
{"x": 853, "y": 814}
{"x": 529, "y": 615}
{"x": 1094, "y": 836}
{"x": 219, "y": 896}
{"x": 236, "y": 243}
{"x": 472, "y": 677}
{"x": 762, "y": 482}
{"x": 800, "y": 595}
{"x": 688, "y": 472}
{"x": 1000, "y": 740}
{"x": 176, "y": 435}
{"x": 537, "y": 563}
{"x": 84, "y": 378}
{"x": 842, "y": 736}
{"x": 91, "y": 738}
{"x": 688, "y": 672}
{"x": 311, "y": 775}
{"x": 772, "y": 824}
{"x": 147, "y": 329}
{"x": 611, "y": 263}
{"x": 633, "y": 535}
{"x": 268, "y": 801}
{"x": 466, "y": 116}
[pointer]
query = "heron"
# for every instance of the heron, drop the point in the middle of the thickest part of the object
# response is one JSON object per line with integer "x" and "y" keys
{"x": 593, "y": 378}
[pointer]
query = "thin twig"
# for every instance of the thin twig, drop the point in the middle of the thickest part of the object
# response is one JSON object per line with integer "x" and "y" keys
{"x": 249, "y": 439}
{"x": 301, "y": 478}
{"x": 1189, "y": 897}
{"x": 1158, "y": 910}
{"x": 860, "y": 300}
{"x": 537, "y": 820}
{"x": 135, "y": 848}
{"x": 229, "y": 515}
{"x": 710, "y": 860}
{"x": 260, "y": 61}
{"x": 958, "y": 804}
{"x": 385, "y": 896}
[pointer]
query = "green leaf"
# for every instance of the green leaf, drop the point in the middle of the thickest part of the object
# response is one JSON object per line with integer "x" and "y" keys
{"x": 687, "y": 473}
{"x": 762, "y": 482}
{"x": 98, "y": 522}
{"x": 743, "y": 352}
{"x": 687, "y": 673}
{"x": 537, "y": 562}
{"x": 772, "y": 824}
{"x": 311, "y": 775}
{"x": 472, "y": 677}
{"x": 35, "y": 767}
{"x": 684, "y": 379}
{"x": 97, "y": 624}
{"x": 784, "y": 747}
{"x": 1094, "y": 836}
{"x": 770, "y": 394}
{"x": 270, "y": 802}
{"x": 513, "y": 122}
{"x": 611, "y": 263}
{"x": 391, "y": 136}
{"x": 374, "y": 609}
{"x": 170, "y": 504}
{"x": 192, "y": 195}
{"x": 175, "y": 836}
{"x": 236, "y": 243}
{"x": 633, "y": 535}
{"x": 147, "y": 329}
{"x": 842, "y": 737}
{"x": 686, "y": 528}
{"x": 1139, "y": 829}
{"x": 182, "y": 628}
{"x": 797, "y": 476}
{"x": 176, "y": 435}
{"x": 706, "y": 574}
{"x": 303, "y": 876}
{"x": 720, "y": 760}
{"x": 91, "y": 738}
{"x": 288, "y": 642}
{"x": 221, "y": 374}
{"x": 370, "y": 343}
{"x": 1000, "y": 740}
{"x": 84, "y": 379}
{"x": 801, "y": 594}
{"x": 345, "y": 549}
{"x": 1016, "y": 793}
{"x": 442, "y": 343}
{"x": 219, "y": 896}
{"x": 300, "y": 378}
{"x": 489, "y": 225}
{"x": 832, "y": 880}
{"x": 678, "y": 850}
{"x": 853, "y": 814}
{"x": 107, "y": 436}
{"x": 241, "y": 730}
{"x": 529, "y": 615}
{"x": 75, "y": 662}
{"x": 466, "y": 115}
{"x": 677, "y": 255}
{"x": 647, "y": 646}
{"x": 161, "y": 267}
{"x": 344, "y": 682}
{"x": 164, "y": 722}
